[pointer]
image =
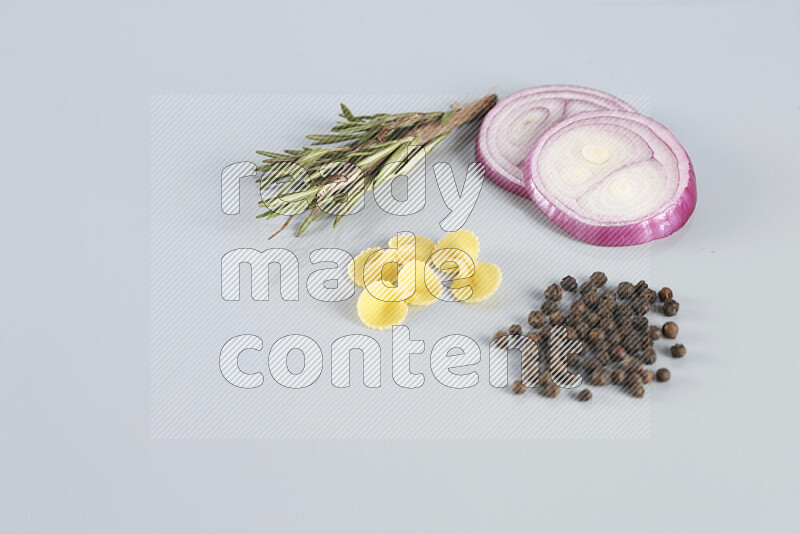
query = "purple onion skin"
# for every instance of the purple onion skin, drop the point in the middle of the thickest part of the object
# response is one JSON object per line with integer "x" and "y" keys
{"x": 496, "y": 177}
{"x": 665, "y": 223}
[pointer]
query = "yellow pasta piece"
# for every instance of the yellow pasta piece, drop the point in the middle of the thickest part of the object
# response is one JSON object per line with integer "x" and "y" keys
{"x": 380, "y": 264}
{"x": 413, "y": 245}
{"x": 428, "y": 289}
{"x": 453, "y": 263}
{"x": 402, "y": 289}
{"x": 480, "y": 286}
{"x": 380, "y": 314}
{"x": 356, "y": 268}
{"x": 460, "y": 240}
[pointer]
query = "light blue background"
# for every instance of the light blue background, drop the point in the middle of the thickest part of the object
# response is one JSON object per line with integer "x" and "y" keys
{"x": 75, "y": 444}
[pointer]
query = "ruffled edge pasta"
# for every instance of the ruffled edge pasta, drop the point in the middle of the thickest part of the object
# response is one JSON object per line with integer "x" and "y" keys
{"x": 357, "y": 269}
{"x": 379, "y": 314}
{"x": 382, "y": 304}
{"x": 423, "y": 247}
{"x": 463, "y": 240}
{"x": 483, "y": 283}
{"x": 425, "y": 279}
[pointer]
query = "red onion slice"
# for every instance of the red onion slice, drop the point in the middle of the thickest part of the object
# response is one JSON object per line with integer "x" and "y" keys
{"x": 612, "y": 178}
{"x": 511, "y": 128}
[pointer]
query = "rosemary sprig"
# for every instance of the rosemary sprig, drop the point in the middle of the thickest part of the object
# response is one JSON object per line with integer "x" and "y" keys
{"x": 361, "y": 152}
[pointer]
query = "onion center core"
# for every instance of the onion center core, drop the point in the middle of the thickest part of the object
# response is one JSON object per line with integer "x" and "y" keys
{"x": 595, "y": 154}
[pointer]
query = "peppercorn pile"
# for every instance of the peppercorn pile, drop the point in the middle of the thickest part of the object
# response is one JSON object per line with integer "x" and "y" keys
{"x": 617, "y": 341}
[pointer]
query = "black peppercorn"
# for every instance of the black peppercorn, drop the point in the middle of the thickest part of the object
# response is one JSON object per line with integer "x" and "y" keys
{"x": 608, "y": 305}
{"x": 549, "y": 306}
{"x": 600, "y": 377}
{"x": 618, "y": 354}
{"x": 545, "y": 378}
{"x": 610, "y": 328}
{"x": 553, "y": 292}
{"x": 650, "y": 296}
{"x": 615, "y": 338}
{"x": 640, "y": 306}
{"x": 596, "y": 335}
{"x": 623, "y": 311}
{"x": 632, "y": 365}
{"x": 528, "y": 363}
{"x": 649, "y": 356}
{"x": 545, "y": 331}
{"x": 678, "y": 350}
{"x": 571, "y": 333}
{"x": 551, "y": 390}
{"x": 528, "y": 375}
{"x": 591, "y": 364}
{"x": 598, "y": 278}
{"x": 608, "y": 325}
{"x": 591, "y": 299}
{"x": 670, "y": 330}
{"x": 573, "y": 361}
{"x": 625, "y": 290}
{"x": 579, "y": 307}
{"x": 536, "y": 319}
{"x": 618, "y": 376}
{"x": 665, "y": 294}
{"x": 625, "y": 325}
{"x": 572, "y": 318}
{"x": 500, "y": 338}
{"x": 582, "y": 329}
{"x": 655, "y": 332}
{"x": 671, "y": 308}
{"x": 536, "y": 337}
{"x": 569, "y": 283}
{"x": 633, "y": 377}
{"x": 530, "y": 351}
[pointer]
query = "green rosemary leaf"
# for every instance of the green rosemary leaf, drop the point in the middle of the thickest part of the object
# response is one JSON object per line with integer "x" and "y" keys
{"x": 377, "y": 156}
{"x": 268, "y": 215}
{"x": 270, "y": 154}
{"x": 315, "y": 214}
{"x": 381, "y": 146}
{"x": 370, "y": 134}
{"x": 447, "y": 116}
{"x": 347, "y": 114}
{"x": 353, "y": 128}
{"x": 328, "y": 139}
{"x": 350, "y": 203}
